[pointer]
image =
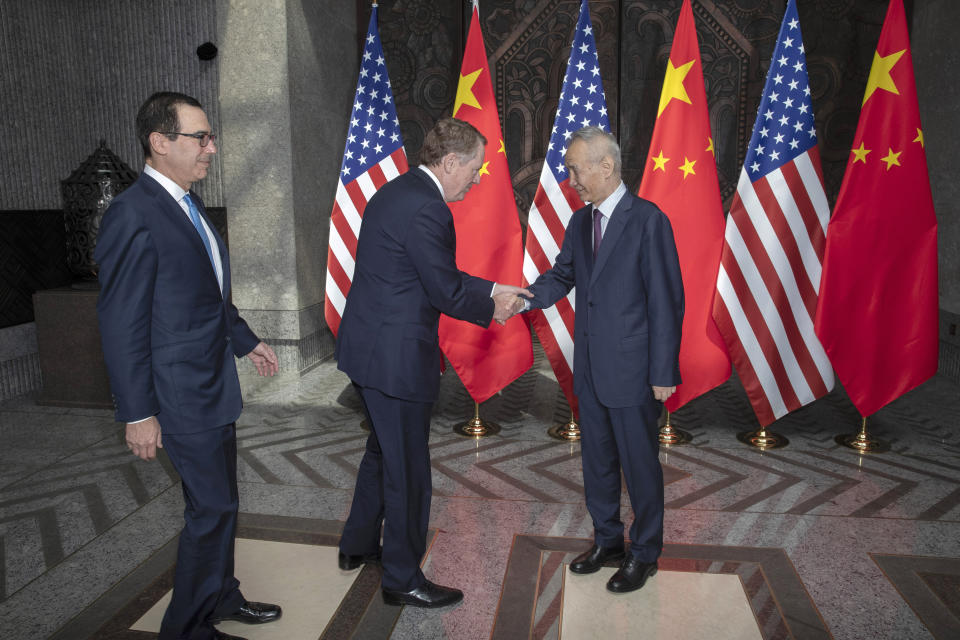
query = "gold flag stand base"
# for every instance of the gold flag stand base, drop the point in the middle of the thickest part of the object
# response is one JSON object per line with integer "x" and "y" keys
{"x": 670, "y": 435}
{"x": 762, "y": 439}
{"x": 862, "y": 442}
{"x": 569, "y": 432}
{"x": 477, "y": 428}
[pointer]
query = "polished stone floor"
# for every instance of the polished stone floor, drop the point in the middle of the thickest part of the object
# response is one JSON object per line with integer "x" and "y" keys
{"x": 808, "y": 541}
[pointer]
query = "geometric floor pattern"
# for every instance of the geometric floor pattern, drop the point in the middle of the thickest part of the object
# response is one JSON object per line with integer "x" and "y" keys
{"x": 826, "y": 543}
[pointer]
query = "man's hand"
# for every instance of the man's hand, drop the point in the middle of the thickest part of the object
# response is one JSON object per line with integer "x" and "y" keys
{"x": 662, "y": 393}
{"x": 507, "y": 301}
{"x": 264, "y": 359}
{"x": 144, "y": 437}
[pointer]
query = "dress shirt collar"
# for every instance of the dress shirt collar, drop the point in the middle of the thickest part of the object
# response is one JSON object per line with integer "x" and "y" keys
{"x": 610, "y": 202}
{"x": 433, "y": 177}
{"x": 171, "y": 187}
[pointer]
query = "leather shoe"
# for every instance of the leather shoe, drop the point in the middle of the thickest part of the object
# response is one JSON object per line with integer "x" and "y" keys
{"x": 591, "y": 561}
{"x": 427, "y": 595}
{"x": 253, "y": 613}
{"x": 220, "y": 635}
{"x": 632, "y": 575}
{"x": 349, "y": 563}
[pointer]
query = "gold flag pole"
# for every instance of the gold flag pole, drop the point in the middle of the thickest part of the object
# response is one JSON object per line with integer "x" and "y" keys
{"x": 477, "y": 428}
{"x": 762, "y": 438}
{"x": 862, "y": 442}
{"x": 669, "y": 435}
{"x": 569, "y": 432}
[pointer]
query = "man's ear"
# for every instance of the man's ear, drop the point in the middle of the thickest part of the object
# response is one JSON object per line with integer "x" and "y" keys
{"x": 606, "y": 164}
{"x": 450, "y": 162}
{"x": 158, "y": 144}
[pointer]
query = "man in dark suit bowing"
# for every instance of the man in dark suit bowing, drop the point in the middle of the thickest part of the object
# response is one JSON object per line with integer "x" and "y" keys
{"x": 170, "y": 335}
{"x": 620, "y": 255}
{"x": 406, "y": 276}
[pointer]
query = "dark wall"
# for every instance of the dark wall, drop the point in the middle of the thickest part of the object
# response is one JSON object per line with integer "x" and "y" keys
{"x": 528, "y": 44}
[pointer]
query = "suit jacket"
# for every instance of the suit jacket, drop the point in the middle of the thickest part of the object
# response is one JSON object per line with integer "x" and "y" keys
{"x": 629, "y": 305}
{"x": 405, "y": 276}
{"x": 169, "y": 336}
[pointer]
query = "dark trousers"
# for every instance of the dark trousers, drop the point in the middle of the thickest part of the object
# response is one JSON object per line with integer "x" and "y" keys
{"x": 615, "y": 438}
{"x": 204, "y": 585}
{"x": 393, "y": 489}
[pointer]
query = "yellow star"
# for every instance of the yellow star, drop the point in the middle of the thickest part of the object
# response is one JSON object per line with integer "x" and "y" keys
{"x": 687, "y": 167}
{"x": 465, "y": 92}
{"x": 673, "y": 85}
{"x": 861, "y": 154}
{"x": 659, "y": 162}
{"x": 919, "y": 138}
{"x": 483, "y": 169}
{"x": 502, "y": 149}
{"x": 880, "y": 74}
{"x": 893, "y": 158}
{"x": 710, "y": 147}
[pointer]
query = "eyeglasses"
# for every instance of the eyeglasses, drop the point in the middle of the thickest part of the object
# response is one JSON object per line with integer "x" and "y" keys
{"x": 203, "y": 138}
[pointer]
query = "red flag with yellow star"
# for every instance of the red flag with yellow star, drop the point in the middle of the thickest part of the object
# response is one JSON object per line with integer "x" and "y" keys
{"x": 877, "y": 316}
{"x": 681, "y": 178}
{"x": 489, "y": 240}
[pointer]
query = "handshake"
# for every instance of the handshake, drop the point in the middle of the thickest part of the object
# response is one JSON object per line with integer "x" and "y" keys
{"x": 507, "y": 301}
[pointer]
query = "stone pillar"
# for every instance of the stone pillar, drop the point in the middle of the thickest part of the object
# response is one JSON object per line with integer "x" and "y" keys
{"x": 288, "y": 70}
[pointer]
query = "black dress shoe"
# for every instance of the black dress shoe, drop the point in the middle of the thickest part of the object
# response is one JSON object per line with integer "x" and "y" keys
{"x": 591, "y": 561}
{"x": 349, "y": 563}
{"x": 220, "y": 635}
{"x": 253, "y": 613}
{"x": 428, "y": 595}
{"x": 632, "y": 575}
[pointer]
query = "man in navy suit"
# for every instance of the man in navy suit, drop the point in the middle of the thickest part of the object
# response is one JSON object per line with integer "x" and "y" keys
{"x": 170, "y": 335}
{"x": 406, "y": 276}
{"x": 620, "y": 255}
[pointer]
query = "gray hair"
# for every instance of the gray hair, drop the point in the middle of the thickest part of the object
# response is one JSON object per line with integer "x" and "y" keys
{"x": 611, "y": 148}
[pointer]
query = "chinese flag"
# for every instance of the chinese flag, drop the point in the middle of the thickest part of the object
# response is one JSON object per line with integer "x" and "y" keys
{"x": 681, "y": 178}
{"x": 489, "y": 240}
{"x": 877, "y": 316}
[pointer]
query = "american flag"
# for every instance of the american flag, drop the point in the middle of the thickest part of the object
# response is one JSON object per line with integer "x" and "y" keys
{"x": 769, "y": 275}
{"x": 581, "y": 104}
{"x": 372, "y": 156}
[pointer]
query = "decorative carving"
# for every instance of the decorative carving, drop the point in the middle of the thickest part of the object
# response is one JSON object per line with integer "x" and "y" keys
{"x": 86, "y": 195}
{"x": 527, "y": 42}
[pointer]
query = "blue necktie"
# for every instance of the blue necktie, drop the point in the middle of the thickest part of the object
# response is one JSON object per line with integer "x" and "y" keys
{"x": 195, "y": 218}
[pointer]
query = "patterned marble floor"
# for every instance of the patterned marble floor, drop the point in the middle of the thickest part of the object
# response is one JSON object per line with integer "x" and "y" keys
{"x": 826, "y": 543}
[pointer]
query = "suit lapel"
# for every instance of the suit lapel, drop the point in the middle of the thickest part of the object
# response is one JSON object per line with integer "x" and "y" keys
{"x": 586, "y": 239}
{"x": 171, "y": 209}
{"x": 221, "y": 247}
{"x": 615, "y": 227}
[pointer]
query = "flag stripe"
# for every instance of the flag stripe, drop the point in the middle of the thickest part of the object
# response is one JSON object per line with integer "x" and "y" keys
{"x": 779, "y": 293}
{"x": 345, "y": 206}
{"x": 342, "y": 233}
{"x": 802, "y": 219}
{"x": 761, "y": 314}
{"x": 773, "y": 196}
{"x": 755, "y": 366}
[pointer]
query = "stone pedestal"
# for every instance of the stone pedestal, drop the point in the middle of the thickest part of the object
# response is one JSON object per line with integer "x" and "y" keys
{"x": 71, "y": 358}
